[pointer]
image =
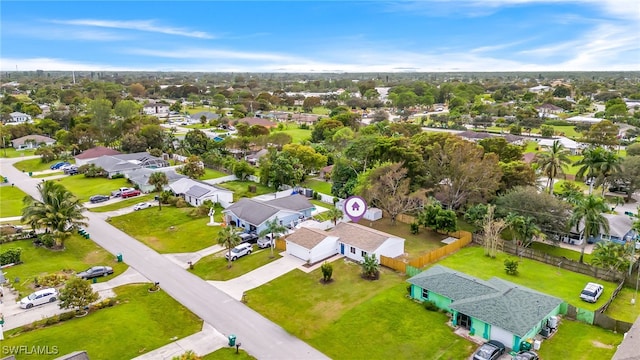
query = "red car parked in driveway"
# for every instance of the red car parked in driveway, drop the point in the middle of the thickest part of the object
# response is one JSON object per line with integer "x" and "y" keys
{"x": 130, "y": 193}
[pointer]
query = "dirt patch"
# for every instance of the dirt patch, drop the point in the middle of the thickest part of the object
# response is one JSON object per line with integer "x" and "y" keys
{"x": 93, "y": 257}
{"x": 598, "y": 344}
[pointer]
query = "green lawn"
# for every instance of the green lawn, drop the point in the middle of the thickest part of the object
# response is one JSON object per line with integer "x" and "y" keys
{"x": 241, "y": 189}
{"x": 172, "y": 230}
{"x": 32, "y": 165}
{"x": 124, "y": 203}
{"x": 415, "y": 245}
{"x": 139, "y": 323}
{"x": 621, "y": 307}
{"x": 212, "y": 174}
{"x": 13, "y": 153}
{"x": 11, "y": 200}
{"x": 579, "y": 341}
{"x": 352, "y": 318}
{"x": 545, "y": 278}
{"x": 560, "y": 252}
{"x": 530, "y": 146}
{"x": 228, "y": 353}
{"x": 84, "y": 187}
{"x": 48, "y": 174}
{"x": 79, "y": 254}
{"x": 214, "y": 267}
{"x": 297, "y": 135}
{"x": 319, "y": 186}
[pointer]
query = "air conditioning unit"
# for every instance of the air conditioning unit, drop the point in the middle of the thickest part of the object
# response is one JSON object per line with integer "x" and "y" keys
{"x": 553, "y": 322}
{"x": 536, "y": 345}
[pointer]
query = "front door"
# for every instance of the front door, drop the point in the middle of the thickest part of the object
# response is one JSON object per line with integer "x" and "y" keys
{"x": 464, "y": 321}
{"x": 341, "y": 248}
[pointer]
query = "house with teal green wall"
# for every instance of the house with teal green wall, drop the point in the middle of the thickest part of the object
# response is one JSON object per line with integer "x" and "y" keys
{"x": 494, "y": 309}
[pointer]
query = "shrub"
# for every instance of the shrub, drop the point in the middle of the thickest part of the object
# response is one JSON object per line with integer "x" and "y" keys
{"x": 431, "y": 306}
{"x": 180, "y": 203}
{"x": 511, "y": 266}
{"x": 10, "y": 256}
{"x": 51, "y": 280}
{"x": 52, "y": 320}
{"x": 67, "y": 316}
{"x": 327, "y": 271}
{"x": 415, "y": 228}
{"x": 117, "y": 176}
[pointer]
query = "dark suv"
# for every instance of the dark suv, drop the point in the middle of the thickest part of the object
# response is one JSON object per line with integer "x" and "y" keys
{"x": 248, "y": 238}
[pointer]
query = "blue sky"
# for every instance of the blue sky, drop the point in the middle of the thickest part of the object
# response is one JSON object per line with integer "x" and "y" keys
{"x": 321, "y": 36}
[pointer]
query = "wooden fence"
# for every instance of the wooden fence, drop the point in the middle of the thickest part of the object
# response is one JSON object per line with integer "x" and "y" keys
{"x": 281, "y": 244}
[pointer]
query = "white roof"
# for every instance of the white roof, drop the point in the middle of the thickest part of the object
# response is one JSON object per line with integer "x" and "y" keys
{"x": 584, "y": 119}
{"x": 567, "y": 143}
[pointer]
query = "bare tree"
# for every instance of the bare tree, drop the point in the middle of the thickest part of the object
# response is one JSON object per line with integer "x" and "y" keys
{"x": 492, "y": 229}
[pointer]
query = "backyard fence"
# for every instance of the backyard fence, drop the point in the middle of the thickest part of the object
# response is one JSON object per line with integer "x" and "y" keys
{"x": 397, "y": 265}
{"x": 281, "y": 244}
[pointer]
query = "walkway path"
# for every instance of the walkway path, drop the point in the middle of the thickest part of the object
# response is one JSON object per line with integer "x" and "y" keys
{"x": 183, "y": 259}
{"x": 259, "y": 336}
{"x": 204, "y": 342}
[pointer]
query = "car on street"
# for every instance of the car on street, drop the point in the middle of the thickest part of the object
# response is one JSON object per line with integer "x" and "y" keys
{"x": 142, "y": 205}
{"x": 248, "y": 238}
{"x": 130, "y": 193}
{"x": 95, "y": 271}
{"x": 526, "y": 355}
{"x": 39, "y": 297}
{"x": 58, "y": 165}
{"x": 239, "y": 251}
{"x": 98, "y": 199}
{"x": 491, "y": 350}
{"x": 591, "y": 292}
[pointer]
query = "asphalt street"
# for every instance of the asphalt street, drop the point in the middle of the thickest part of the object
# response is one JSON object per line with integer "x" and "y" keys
{"x": 258, "y": 336}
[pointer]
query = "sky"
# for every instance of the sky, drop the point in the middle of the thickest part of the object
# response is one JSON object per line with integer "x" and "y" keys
{"x": 321, "y": 36}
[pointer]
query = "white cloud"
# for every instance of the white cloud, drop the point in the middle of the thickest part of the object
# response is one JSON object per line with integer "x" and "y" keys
{"x": 203, "y": 53}
{"x": 65, "y": 34}
{"x": 140, "y": 25}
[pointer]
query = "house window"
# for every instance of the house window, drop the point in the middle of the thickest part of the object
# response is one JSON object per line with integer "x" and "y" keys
{"x": 363, "y": 253}
{"x": 353, "y": 250}
{"x": 425, "y": 294}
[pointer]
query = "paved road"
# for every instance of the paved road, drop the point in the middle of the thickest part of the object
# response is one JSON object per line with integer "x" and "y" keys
{"x": 259, "y": 336}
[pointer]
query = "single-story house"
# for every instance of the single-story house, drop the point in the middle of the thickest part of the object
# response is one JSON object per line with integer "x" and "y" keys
{"x": 140, "y": 177}
{"x": 474, "y": 135}
{"x": 252, "y": 215}
{"x": 545, "y": 110}
{"x": 94, "y": 153}
{"x": 494, "y": 309}
{"x": 19, "y": 118}
{"x": 325, "y": 171}
{"x": 155, "y": 109}
{"x": 305, "y": 118}
{"x": 311, "y": 245}
{"x": 254, "y": 158}
{"x": 583, "y": 119}
{"x": 620, "y": 231}
{"x": 539, "y": 89}
{"x": 31, "y": 142}
{"x": 573, "y": 146}
{"x": 355, "y": 241}
{"x": 197, "y": 192}
{"x": 258, "y": 121}
{"x": 123, "y": 163}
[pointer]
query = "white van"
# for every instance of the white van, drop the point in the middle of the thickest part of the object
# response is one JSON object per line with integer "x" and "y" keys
{"x": 591, "y": 292}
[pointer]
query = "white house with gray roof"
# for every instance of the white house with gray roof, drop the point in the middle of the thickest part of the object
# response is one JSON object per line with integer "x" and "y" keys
{"x": 124, "y": 163}
{"x": 197, "y": 192}
{"x": 311, "y": 245}
{"x": 140, "y": 177}
{"x": 495, "y": 309}
{"x": 252, "y": 215}
{"x": 19, "y": 118}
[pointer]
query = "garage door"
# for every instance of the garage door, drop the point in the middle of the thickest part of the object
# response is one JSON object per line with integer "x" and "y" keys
{"x": 297, "y": 251}
{"x": 501, "y": 335}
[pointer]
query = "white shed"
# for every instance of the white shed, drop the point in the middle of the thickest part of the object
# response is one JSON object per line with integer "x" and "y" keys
{"x": 373, "y": 214}
{"x": 312, "y": 245}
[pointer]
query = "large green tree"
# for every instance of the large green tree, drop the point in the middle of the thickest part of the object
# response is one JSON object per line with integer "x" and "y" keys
{"x": 59, "y": 212}
{"x": 77, "y": 293}
{"x": 280, "y": 168}
{"x": 588, "y": 214}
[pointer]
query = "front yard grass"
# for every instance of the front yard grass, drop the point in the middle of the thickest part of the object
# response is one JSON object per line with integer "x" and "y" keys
{"x": 318, "y": 186}
{"x": 79, "y": 254}
{"x": 621, "y": 307}
{"x": 84, "y": 187}
{"x": 241, "y": 189}
{"x": 415, "y": 245}
{"x": 352, "y": 318}
{"x": 579, "y": 341}
{"x": 214, "y": 266}
{"x": 10, "y": 152}
{"x": 171, "y": 230}
{"x": 32, "y": 165}
{"x": 125, "y": 203}
{"x": 227, "y": 353}
{"x": 140, "y": 322}
{"x": 297, "y": 135}
{"x": 211, "y": 174}
{"x": 11, "y": 200}
{"x": 547, "y": 279}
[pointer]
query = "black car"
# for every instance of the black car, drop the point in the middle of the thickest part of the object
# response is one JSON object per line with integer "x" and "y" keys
{"x": 490, "y": 350}
{"x": 95, "y": 271}
{"x": 526, "y": 355}
{"x": 98, "y": 198}
{"x": 248, "y": 237}
{"x": 71, "y": 171}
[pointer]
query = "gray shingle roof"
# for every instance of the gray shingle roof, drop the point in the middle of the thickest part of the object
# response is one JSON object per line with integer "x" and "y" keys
{"x": 256, "y": 212}
{"x": 197, "y": 191}
{"x": 359, "y": 236}
{"x": 293, "y": 202}
{"x": 308, "y": 238}
{"x": 450, "y": 283}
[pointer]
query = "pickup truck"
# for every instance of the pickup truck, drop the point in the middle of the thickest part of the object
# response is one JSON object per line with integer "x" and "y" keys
{"x": 129, "y": 193}
{"x": 117, "y": 193}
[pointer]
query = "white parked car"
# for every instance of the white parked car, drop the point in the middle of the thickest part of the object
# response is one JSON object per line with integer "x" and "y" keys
{"x": 265, "y": 242}
{"x": 142, "y": 205}
{"x": 39, "y": 297}
{"x": 591, "y": 292}
{"x": 239, "y": 251}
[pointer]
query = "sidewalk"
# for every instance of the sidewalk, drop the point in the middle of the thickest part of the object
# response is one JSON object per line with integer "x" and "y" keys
{"x": 183, "y": 259}
{"x": 202, "y": 343}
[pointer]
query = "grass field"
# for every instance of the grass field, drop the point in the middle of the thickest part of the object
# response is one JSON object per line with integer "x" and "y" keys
{"x": 352, "y": 318}
{"x": 297, "y": 135}
{"x": 10, "y": 152}
{"x": 11, "y": 201}
{"x": 621, "y": 307}
{"x": 228, "y": 353}
{"x": 33, "y": 165}
{"x": 124, "y": 203}
{"x": 140, "y": 322}
{"x": 415, "y": 244}
{"x": 84, "y": 187}
{"x": 560, "y": 252}
{"x": 79, "y": 254}
{"x": 211, "y": 174}
{"x": 241, "y": 189}
{"x": 39, "y": 176}
{"x": 548, "y": 279}
{"x": 214, "y": 267}
{"x": 578, "y": 341}
{"x": 172, "y": 230}
{"x": 319, "y": 186}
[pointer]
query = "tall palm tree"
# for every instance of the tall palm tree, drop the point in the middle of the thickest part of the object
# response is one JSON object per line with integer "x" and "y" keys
{"x": 229, "y": 238}
{"x": 523, "y": 228}
{"x": 335, "y": 214}
{"x": 59, "y": 212}
{"x": 611, "y": 165}
{"x": 553, "y": 162}
{"x": 590, "y": 164}
{"x": 275, "y": 228}
{"x": 589, "y": 212}
{"x": 158, "y": 179}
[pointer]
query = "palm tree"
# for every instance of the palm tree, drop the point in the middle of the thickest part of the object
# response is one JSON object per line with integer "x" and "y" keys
{"x": 275, "y": 228}
{"x": 158, "y": 179}
{"x": 523, "y": 228}
{"x": 59, "y": 212}
{"x": 229, "y": 237}
{"x": 370, "y": 267}
{"x": 590, "y": 164}
{"x": 335, "y": 214}
{"x": 589, "y": 212}
{"x": 610, "y": 255}
{"x": 611, "y": 165}
{"x": 553, "y": 162}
